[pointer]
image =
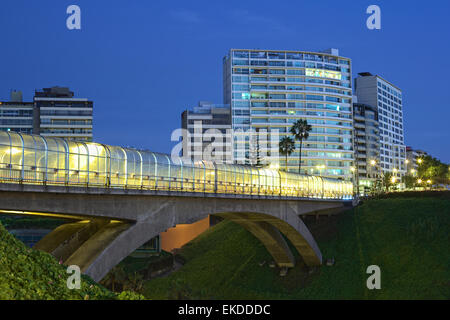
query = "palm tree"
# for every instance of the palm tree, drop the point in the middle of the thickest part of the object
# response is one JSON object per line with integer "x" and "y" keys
{"x": 300, "y": 129}
{"x": 287, "y": 146}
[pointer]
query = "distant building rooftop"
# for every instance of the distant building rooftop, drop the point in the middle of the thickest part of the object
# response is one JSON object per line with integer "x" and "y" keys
{"x": 54, "y": 92}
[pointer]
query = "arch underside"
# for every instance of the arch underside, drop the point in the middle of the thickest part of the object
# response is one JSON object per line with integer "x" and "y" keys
{"x": 96, "y": 246}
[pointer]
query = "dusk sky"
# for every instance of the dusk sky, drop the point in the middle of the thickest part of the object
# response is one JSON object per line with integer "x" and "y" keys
{"x": 144, "y": 62}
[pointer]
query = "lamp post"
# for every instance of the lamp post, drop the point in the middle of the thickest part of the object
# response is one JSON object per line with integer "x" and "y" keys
{"x": 320, "y": 168}
{"x": 355, "y": 180}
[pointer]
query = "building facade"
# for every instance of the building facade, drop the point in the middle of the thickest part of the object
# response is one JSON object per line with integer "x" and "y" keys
{"x": 387, "y": 98}
{"x": 16, "y": 115}
{"x": 269, "y": 90}
{"x": 54, "y": 112}
{"x": 58, "y": 114}
{"x": 412, "y": 160}
{"x": 207, "y": 132}
{"x": 366, "y": 145}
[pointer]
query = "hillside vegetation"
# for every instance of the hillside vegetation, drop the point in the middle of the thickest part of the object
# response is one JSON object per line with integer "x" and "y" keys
{"x": 407, "y": 238}
{"x": 31, "y": 274}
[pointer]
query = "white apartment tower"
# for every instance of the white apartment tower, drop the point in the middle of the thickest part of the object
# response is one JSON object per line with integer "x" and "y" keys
{"x": 377, "y": 92}
{"x": 268, "y": 90}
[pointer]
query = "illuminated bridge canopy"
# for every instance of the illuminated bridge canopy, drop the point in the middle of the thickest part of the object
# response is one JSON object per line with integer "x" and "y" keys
{"x": 31, "y": 159}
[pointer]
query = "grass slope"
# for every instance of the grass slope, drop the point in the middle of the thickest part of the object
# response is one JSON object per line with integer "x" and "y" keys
{"x": 407, "y": 238}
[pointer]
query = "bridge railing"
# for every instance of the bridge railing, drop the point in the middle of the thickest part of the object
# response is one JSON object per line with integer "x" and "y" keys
{"x": 30, "y": 159}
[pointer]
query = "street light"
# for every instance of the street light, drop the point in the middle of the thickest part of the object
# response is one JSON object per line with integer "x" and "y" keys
{"x": 355, "y": 180}
{"x": 419, "y": 161}
{"x": 320, "y": 168}
{"x": 419, "y": 181}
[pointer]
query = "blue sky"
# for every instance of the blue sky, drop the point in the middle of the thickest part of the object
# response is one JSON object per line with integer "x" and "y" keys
{"x": 144, "y": 62}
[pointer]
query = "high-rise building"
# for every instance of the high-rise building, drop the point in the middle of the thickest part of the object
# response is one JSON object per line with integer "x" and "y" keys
{"x": 59, "y": 114}
{"x": 53, "y": 113}
{"x": 366, "y": 145}
{"x": 16, "y": 115}
{"x": 268, "y": 90}
{"x": 377, "y": 92}
{"x": 207, "y": 133}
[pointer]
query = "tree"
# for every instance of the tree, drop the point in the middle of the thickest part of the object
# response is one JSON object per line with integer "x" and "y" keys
{"x": 409, "y": 181}
{"x": 287, "y": 146}
{"x": 255, "y": 157}
{"x": 135, "y": 282}
{"x": 387, "y": 180}
{"x": 433, "y": 169}
{"x": 300, "y": 129}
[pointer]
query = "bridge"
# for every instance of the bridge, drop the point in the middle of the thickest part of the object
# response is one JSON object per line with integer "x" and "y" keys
{"x": 123, "y": 197}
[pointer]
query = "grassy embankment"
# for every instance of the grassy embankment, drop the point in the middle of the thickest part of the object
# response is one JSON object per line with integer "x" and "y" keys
{"x": 407, "y": 238}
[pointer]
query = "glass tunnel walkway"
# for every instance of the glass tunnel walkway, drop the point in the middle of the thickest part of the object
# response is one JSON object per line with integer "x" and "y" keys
{"x": 32, "y": 159}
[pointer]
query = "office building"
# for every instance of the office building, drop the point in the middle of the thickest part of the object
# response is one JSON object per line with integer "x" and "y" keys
{"x": 366, "y": 145}
{"x": 16, "y": 115}
{"x": 387, "y": 98}
{"x": 59, "y": 114}
{"x": 207, "y": 134}
{"x": 269, "y": 90}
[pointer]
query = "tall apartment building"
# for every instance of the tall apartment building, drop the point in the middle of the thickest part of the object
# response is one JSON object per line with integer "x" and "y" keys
{"x": 207, "y": 133}
{"x": 366, "y": 145}
{"x": 54, "y": 112}
{"x": 59, "y": 114}
{"x": 16, "y": 115}
{"x": 377, "y": 92}
{"x": 269, "y": 90}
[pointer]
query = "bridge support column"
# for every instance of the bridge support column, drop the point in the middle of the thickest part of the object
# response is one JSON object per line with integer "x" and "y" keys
{"x": 270, "y": 237}
{"x": 67, "y": 238}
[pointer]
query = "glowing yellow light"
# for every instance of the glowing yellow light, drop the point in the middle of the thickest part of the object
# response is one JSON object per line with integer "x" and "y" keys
{"x": 429, "y": 181}
{"x": 352, "y": 169}
{"x": 323, "y": 73}
{"x": 274, "y": 166}
{"x": 406, "y": 161}
{"x": 373, "y": 162}
{"x": 393, "y": 179}
{"x": 419, "y": 180}
{"x": 413, "y": 171}
{"x": 13, "y": 151}
{"x": 419, "y": 160}
{"x": 394, "y": 170}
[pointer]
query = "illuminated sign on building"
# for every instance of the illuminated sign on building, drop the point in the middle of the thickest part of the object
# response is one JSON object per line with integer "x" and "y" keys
{"x": 323, "y": 73}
